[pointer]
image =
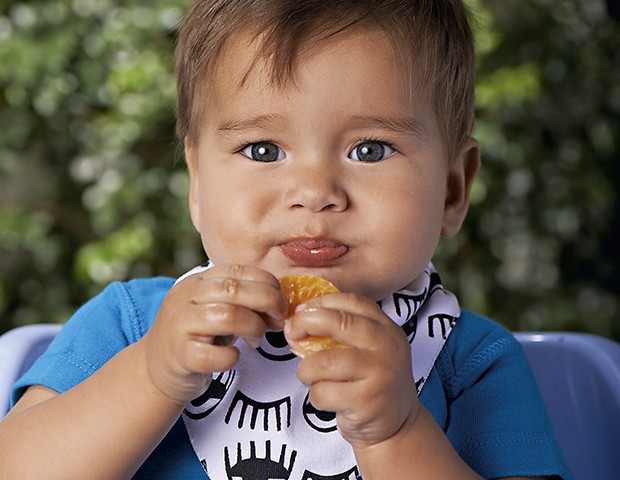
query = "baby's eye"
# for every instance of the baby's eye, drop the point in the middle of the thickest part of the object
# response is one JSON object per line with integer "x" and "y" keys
{"x": 371, "y": 151}
{"x": 263, "y": 152}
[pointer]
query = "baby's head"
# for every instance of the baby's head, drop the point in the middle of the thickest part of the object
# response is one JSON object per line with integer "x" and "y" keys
{"x": 431, "y": 41}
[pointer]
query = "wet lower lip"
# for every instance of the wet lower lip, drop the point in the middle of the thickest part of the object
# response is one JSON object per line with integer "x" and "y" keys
{"x": 313, "y": 254}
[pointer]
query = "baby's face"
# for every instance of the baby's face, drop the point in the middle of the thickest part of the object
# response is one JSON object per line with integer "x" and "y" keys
{"x": 342, "y": 175}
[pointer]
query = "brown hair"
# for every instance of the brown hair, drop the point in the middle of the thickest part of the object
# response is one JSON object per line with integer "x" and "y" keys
{"x": 433, "y": 36}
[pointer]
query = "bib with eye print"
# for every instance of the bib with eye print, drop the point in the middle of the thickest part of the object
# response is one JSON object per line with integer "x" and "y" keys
{"x": 255, "y": 422}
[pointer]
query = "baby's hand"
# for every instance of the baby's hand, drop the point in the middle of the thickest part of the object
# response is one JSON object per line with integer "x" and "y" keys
{"x": 199, "y": 321}
{"x": 370, "y": 386}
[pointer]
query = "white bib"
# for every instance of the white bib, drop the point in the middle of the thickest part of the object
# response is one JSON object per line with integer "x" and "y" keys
{"x": 255, "y": 422}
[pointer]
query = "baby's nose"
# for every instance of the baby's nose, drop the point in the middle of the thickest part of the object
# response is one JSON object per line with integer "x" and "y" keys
{"x": 318, "y": 186}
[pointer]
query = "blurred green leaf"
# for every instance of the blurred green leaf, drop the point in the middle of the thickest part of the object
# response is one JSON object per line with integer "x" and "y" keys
{"x": 108, "y": 259}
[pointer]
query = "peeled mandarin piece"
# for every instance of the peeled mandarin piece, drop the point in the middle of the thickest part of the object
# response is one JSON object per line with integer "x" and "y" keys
{"x": 298, "y": 289}
{"x": 316, "y": 344}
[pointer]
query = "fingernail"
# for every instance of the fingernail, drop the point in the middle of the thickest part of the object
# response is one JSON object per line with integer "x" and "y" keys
{"x": 300, "y": 307}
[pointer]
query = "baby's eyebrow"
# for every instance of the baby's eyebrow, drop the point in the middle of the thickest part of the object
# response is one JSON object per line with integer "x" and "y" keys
{"x": 259, "y": 122}
{"x": 393, "y": 124}
{"x": 267, "y": 122}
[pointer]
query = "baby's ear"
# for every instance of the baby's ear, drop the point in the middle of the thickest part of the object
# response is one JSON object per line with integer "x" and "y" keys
{"x": 193, "y": 199}
{"x": 460, "y": 180}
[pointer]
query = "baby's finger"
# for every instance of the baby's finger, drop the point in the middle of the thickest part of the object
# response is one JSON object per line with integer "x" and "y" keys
{"x": 240, "y": 272}
{"x": 203, "y": 357}
{"x": 261, "y": 295}
{"x": 223, "y": 320}
{"x": 350, "y": 302}
{"x": 335, "y": 365}
{"x": 337, "y": 396}
{"x": 344, "y": 326}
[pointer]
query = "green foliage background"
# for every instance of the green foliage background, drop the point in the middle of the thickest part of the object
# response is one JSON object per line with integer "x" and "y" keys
{"x": 92, "y": 188}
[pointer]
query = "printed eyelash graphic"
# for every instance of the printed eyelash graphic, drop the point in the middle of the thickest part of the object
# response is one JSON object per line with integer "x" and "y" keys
{"x": 443, "y": 319}
{"x": 412, "y": 303}
{"x": 253, "y": 468}
{"x": 351, "y": 474}
{"x": 257, "y": 408}
{"x": 276, "y": 348}
{"x": 410, "y": 327}
{"x": 435, "y": 283}
{"x": 202, "y": 406}
{"x": 319, "y": 420}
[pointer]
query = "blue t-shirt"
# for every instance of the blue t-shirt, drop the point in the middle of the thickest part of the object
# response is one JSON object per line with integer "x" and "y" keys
{"x": 481, "y": 390}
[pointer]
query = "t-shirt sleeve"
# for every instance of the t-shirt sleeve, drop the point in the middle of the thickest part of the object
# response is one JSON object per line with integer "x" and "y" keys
{"x": 117, "y": 317}
{"x": 497, "y": 418}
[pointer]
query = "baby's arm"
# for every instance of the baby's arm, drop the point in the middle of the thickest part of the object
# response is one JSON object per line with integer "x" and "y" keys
{"x": 371, "y": 388}
{"x": 106, "y": 426}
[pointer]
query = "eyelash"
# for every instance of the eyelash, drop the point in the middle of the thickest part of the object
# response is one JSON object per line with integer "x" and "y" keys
{"x": 387, "y": 143}
{"x": 243, "y": 145}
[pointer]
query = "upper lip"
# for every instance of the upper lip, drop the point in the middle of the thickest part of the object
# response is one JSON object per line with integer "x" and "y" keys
{"x": 313, "y": 243}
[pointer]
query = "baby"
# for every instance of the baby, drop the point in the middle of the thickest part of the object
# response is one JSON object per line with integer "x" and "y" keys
{"x": 326, "y": 138}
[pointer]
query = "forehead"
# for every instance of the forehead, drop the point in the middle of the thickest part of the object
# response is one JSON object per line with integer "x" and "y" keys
{"x": 350, "y": 83}
{"x": 243, "y": 62}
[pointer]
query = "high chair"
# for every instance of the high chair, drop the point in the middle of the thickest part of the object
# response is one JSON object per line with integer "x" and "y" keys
{"x": 578, "y": 374}
{"x": 19, "y": 348}
{"x": 579, "y": 377}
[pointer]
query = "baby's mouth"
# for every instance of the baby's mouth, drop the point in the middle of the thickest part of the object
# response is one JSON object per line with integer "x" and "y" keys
{"x": 311, "y": 252}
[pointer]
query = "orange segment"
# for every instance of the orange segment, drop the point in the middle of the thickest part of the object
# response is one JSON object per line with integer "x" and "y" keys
{"x": 297, "y": 290}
